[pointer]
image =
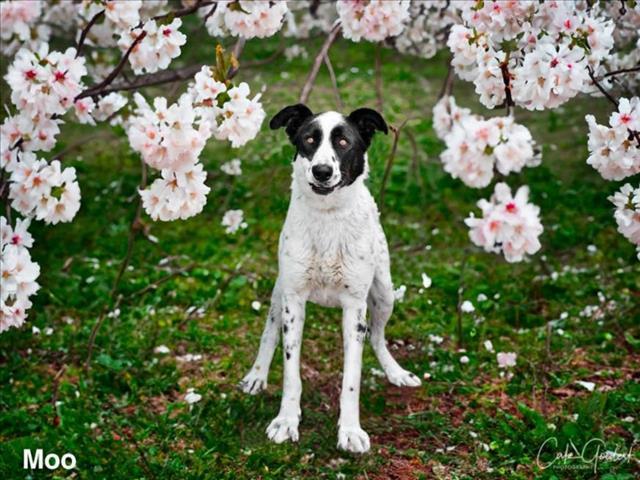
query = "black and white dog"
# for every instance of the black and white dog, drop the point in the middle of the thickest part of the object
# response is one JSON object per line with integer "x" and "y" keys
{"x": 332, "y": 252}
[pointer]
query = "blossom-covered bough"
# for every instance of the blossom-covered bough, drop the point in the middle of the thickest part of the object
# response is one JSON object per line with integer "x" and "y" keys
{"x": 529, "y": 55}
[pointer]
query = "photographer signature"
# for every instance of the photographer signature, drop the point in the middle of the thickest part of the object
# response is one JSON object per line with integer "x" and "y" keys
{"x": 591, "y": 453}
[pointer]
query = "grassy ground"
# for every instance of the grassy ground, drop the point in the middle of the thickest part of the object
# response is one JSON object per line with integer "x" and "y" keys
{"x": 126, "y": 417}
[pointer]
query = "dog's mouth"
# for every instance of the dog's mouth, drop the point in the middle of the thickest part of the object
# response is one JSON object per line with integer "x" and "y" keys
{"x": 322, "y": 189}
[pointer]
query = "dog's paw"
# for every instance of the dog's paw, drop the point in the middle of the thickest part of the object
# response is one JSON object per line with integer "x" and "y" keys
{"x": 403, "y": 378}
{"x": 353, "y": 439}
{"x": 283, "y": 428}
{"x": 253, "y": 383}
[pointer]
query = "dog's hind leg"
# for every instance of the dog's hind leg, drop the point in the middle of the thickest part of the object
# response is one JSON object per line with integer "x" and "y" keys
{"x": 380, "y": 303}
{"x": 256, "y": 380}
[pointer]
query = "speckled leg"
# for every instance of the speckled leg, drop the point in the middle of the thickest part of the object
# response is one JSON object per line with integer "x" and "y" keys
{"x": 256, "y": 380}
{"x": 285, "y": 425}
{"x": 380, "y": 303}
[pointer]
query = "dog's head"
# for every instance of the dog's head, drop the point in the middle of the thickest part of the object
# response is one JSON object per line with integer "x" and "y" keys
{"x": 330, "y": 148}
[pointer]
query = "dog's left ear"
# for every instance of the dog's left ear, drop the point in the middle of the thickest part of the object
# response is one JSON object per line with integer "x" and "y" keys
{"x": 291, "y": 117}
{"x": 367, "y": 121}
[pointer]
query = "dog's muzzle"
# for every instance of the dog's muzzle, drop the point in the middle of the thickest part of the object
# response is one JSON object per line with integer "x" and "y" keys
{"x": 323, "y": 189}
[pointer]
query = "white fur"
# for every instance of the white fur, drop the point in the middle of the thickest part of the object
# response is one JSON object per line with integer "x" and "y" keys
{"x": 332, "y": 252}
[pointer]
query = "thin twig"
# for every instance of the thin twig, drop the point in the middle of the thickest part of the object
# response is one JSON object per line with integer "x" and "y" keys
{"x": 621, "y": 71}
{"x": 447, "y": 86}
{"x": 85, "y": 32}
{"x": 54, "y": 394}
{"x": 133, "y": 230}
{"x": 378, "y": 73}
{"x": 96, "y": 89}
{"x": 601, "y": 88}
{"x": 308, "y": 84}
{"x": 390, "y": 160}
{"x": 183, "y": 12}
{"x": 160, "y": 281}
{"x": 334, "y": 83}
{"x": 506, "y": 78}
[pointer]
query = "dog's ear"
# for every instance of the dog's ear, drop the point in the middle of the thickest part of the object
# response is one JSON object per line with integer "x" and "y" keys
{"x": 292, "y": 118}
{"x": 367, "y": 121}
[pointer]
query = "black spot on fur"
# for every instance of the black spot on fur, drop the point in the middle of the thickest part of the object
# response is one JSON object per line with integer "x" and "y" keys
{"x": 351, "y": 389}
{"x": 288, "y": 355}
{"x": 285, "y": 329}
{"x": 362, "y": 328}
{"x": 286, "y": 309}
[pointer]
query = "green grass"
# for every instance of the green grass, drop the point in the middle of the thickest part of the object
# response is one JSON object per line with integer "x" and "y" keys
{"x": 126, "y": 417}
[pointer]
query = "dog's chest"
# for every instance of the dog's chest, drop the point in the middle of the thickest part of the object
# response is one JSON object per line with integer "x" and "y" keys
{"x": 330, "y": 256}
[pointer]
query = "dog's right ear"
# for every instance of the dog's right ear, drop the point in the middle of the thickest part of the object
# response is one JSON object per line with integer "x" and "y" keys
{"x": 291, "y": 117}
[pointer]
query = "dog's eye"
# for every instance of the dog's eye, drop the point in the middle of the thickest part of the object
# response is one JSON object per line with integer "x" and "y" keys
{"x": 309, "y": 140}
{"x": 343, "y": 142}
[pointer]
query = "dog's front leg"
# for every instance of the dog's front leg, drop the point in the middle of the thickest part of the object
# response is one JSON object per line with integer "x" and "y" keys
{"x": 354, "y": 327}
{"x": 285, "y": 425}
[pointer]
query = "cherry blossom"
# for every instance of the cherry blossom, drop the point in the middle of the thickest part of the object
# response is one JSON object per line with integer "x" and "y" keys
{"x": 374, "y": 20}
{"x": 45, "y": 83}
{"x": 506, "y": 359}
{"x": 248, "y": 19}
{"x": 20, "y": 26}
{"x": 233, "y": 220}
{"x": 475, "y": 146}
{"x": 232, "y": 167}
{"x": 509, "y": 224}
{"x": 615, "y": 151}
{"x": 177, "y": 194}
{"x": 242, "y": 117}
{"x": 160, "y": 45}
{"x": 18, "y": 273}
{"x": 627, "y": 213}
{"x": 46, "y": 191}
{"x": 167, "y": 136}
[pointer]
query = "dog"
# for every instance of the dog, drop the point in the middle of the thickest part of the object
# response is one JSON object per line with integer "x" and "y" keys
{"x": 332, "y": 252}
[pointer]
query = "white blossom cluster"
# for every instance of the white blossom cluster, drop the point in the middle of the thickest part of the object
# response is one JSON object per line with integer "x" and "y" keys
{"x": 43, "y": 190}
{"x": 125, "y": 21}
{"x": 307, "y": 16}
{"x": 20, "y": 26}
{"x": 509, "y": 224}
{"x": 18, "y": 273}
{"x": 244, "y": 18}
{"x": 426, "y": 28}
{"x": 233, "y": 220}
{"x": 171, "y": 138}
{"x": 373, "y": 20}
{"x": 160, "y": 45}
{"x": 43, "y": 87}
{"x": 541, "y": 49}
{"x": 476, "y": 146}
{"x": 627, "y": 213}
{"x": 614, "y": 150}
{"x": 43, "y": 84}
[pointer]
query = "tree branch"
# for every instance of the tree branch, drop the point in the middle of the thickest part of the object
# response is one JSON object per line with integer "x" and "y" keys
{"x": 622, "y": 70}
{"x": 334, "y": 83}
{"x": 308, "y": 84}
{"x": 390, "y": 160}
{"x": 600, "y": 87}
{"x": 96, "y": 89}
{"x": 378, "y": 72}
{"x": 85, "y": 31}
{"x": 447, "y": 86}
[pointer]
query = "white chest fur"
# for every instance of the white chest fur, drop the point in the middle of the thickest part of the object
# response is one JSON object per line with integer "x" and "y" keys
{"x": 329, "y": 250}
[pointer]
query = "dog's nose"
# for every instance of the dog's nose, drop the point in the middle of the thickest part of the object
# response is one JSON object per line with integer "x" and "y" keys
{"x": 322, "y": 173}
